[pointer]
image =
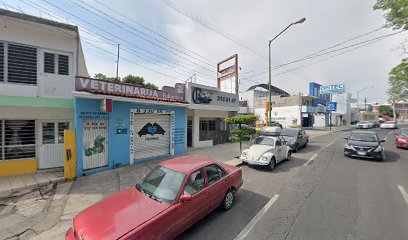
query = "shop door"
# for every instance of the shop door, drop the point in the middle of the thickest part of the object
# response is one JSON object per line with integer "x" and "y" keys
{"x": 152, "y": 136}
{"x": 94, "y": 144}
{"x": 51, "y": 147}
{"x": 189, "y": 133}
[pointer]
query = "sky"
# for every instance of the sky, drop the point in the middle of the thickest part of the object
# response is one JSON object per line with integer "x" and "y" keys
{"x": 165, "y": 46}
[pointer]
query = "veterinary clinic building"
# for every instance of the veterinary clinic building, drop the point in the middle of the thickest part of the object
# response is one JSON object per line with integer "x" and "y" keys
{"x": 120, "y": 124}
{"x": 206, "y": 113}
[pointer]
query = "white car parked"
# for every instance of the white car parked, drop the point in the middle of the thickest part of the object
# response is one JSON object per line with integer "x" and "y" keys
{"x": 267, "y": 151}
{"x": 363, "y": 125}
{"x": 388, "y": 125}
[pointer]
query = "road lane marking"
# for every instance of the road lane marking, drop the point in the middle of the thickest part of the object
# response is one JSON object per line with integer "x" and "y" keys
{"x": 390, "y": 132}
{"x": 404, "y": 193}
{"x": 329, "y": 144}
{"x": 254, "y": 220}
{"x": 310, "y": 160}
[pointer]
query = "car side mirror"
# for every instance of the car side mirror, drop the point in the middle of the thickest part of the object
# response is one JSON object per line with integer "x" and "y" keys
{"x": 345, "y": 139}
{"x": 382, "y": 140}
{"x": 186, "y": 198}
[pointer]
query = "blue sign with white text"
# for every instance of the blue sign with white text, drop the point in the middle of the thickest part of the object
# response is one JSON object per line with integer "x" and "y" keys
{"x": 331, "y": 106}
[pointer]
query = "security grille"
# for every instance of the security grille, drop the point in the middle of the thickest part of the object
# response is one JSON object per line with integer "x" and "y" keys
{"x": 49, "y": 63}
{"x": 152, "y": 136}
{"x": 22, "y": 64}
{"x": 1, "y": 62}
{"x": 17, "y": 139}
{"x": 63, "y": 65}
{"x": 94, "y": 143}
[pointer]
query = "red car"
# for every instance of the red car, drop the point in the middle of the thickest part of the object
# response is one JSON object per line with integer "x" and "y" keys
{"x": 401, "y": 138}
{"x": 171, "y": 198}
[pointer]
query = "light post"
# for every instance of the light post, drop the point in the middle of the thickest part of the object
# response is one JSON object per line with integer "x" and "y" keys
{"x": 270, "y": 68}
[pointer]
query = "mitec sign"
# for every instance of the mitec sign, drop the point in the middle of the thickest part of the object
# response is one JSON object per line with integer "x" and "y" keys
{"x": 336, "y": 88}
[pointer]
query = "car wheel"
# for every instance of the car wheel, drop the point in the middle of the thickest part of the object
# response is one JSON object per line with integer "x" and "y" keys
{"x": 307, "y": 141}
{"x": 228, "y": 200}
{"x": 272, "y": 164}
{"x": 289, "y": 156}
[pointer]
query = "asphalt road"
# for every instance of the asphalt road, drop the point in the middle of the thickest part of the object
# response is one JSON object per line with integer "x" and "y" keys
{"x": 319, "y": 194}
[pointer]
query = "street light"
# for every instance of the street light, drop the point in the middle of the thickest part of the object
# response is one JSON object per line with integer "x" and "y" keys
{"x": 358, "y": 93}
{"x": 270, "y": 67}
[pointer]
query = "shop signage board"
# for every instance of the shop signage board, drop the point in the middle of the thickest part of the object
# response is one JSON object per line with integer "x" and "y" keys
{"x": 336, "y": 88}
{"x": 214, "y": 98}
{"x": 331, "y": 106}
{"x": 87, "y": 84}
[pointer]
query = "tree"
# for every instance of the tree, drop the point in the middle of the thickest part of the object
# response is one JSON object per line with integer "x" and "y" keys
{"x": 151, "y": 86}
{"x": 385, "y": 110}
{"x": 396, "y": 12}
{"x": 101, "y": 76}
{"x": 242, "y": 134}
{"x": 134, "y": 80}
{"x": 398, "y": 81}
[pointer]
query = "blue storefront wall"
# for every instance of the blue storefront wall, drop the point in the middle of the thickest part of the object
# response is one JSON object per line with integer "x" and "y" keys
{"x": 119, "y": 141}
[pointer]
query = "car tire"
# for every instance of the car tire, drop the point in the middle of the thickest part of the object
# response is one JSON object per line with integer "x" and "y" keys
{"x": 228, "y": 200}
{"x": 289, "y": 156}
{"x": 272, "y": 164}
{"x": 307, "y": 141}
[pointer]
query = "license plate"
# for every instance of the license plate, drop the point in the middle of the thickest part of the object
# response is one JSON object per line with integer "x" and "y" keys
{"x": 361, "y": 153}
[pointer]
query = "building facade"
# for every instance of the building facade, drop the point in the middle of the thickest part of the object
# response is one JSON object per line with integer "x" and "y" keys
{"x": 206, "y": 113}
{"x": 39, "y": 60}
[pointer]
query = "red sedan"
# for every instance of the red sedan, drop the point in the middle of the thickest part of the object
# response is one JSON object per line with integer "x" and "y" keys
{"x": 401, "y": 138}
{"x": 171, "y": 198}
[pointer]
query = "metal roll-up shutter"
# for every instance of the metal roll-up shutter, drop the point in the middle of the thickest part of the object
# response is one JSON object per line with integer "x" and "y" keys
{"x": 152, "y": 135}
{"x": 94, "y": 143}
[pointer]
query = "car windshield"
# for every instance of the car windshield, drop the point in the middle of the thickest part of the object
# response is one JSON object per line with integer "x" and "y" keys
{"x": 162, "y": 184}
{"x": 289, "y": 132}
{"x": 389, "y": 122}
{"x": 363, "y": 122}
{"x": 363, "y": 137}
{"x": 264, "y": 141}
{"x": 404, "y": 132}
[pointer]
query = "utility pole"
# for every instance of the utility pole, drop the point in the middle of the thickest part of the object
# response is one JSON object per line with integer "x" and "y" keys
{"x": 117, "y": 65}
{"x": 330, "y": 114}
{"x": 365, "y": 104}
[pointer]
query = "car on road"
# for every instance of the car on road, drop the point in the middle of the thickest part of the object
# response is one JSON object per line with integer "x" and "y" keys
{"x": 169, "y": 199}
{"x": 363, "y": 125}
{"x": 365, "y": 144}
{"x": 401, "y": 138}
{"x": 389, "y": 125}
{"x": 374, "y": 124}
{"x": 267, "y": 150}
{"x": 295, "y": 138}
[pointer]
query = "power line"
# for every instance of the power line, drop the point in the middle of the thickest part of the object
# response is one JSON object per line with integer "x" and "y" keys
{"x": 107, "y": 18}
{"x": 212, "y": 27}
{"x": 150, "y": 30}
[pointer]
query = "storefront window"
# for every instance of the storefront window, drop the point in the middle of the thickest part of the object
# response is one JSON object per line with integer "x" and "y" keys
{"x": 206, "y": 125}
{"x": 18, "y": 139}
{"x": 48, "y": 131}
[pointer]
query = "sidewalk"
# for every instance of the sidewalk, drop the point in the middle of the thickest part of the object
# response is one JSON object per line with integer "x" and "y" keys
{"x": 13, "y": 184}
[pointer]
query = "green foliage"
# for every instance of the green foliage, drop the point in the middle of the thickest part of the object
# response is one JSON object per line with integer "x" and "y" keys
{"x": 242, "y": 119}
{"x": 396, "y": 12}
{"x": 101, "y": 76}
{"x": 243, "y": 132}
{"x": 398, "y": 82}
{"x": 134, "y": 80}
{"x": 385, "y": 110}
{"x": 151, "y": 86}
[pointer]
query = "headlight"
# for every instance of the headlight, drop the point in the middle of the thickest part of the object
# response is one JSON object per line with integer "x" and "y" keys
{"x": 348, "y": 146}
{"x": 264, "y": 158}
{"x": 244, "y": 154}
{"x": 378, "y": 149}
{"x": 291, "y": 142}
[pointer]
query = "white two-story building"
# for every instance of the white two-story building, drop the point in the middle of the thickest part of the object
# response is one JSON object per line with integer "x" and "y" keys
{"x": 39, "y": 60}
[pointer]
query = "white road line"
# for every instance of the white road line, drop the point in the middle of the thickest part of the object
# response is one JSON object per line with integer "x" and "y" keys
{"x": 254, "y": 220}
{"x": 329, "y": 144}
{"x": 404, "y": 193}
{"x": 390, "y": 132}
{"x": 311, "y": 159}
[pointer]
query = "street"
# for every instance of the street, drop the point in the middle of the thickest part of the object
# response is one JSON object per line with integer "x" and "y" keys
{"x": 328, "y": 197}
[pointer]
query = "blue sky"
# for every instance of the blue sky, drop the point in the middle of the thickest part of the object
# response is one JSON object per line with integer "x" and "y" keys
{"x": 185, "y": 47}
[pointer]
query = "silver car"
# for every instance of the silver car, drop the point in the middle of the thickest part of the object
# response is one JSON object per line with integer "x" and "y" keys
{"x": 389, "y": 125}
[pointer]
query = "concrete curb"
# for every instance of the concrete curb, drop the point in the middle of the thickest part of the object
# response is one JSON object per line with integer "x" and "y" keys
{"x": 15, "y": 191}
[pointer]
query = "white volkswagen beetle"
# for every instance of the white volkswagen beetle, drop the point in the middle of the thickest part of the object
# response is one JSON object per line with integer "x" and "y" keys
{"x": 268, "y": 149}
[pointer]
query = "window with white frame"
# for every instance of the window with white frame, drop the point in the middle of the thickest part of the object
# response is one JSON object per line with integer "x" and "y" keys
{"x": 56, "y": 63}
{"x": 63, "y": 65}
{"x": 53, "y": 132}
{"x": 49, "y": 62}
{"x": 17, "y": 139}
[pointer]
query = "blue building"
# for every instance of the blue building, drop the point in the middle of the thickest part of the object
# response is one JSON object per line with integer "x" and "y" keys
{"x": 120, "y": 124}
{"x": 321, "y": 118}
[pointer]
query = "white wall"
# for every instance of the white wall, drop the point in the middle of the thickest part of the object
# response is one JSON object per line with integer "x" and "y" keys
{"x": 30, "y": 113}
{"x": 46, "y": 39}
{"x": 283, "y": 115}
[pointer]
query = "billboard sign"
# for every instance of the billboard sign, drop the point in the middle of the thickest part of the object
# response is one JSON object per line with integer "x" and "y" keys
{"x": 227, "y": 74}
{"x": 213, "y": 98}
{"x": 331, "y": 106}
{"x": 336, "y": 88}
